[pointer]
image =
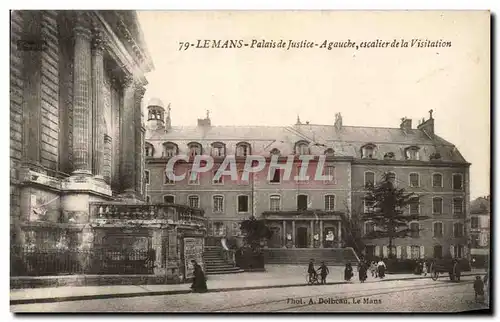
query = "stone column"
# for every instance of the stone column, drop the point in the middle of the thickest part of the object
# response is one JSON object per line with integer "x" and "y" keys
{"x": 284, "y": 234}
{"x": 106, "y": 172}
{"x": 293, "y": 233}
{"x": 127, "y": 137}
{"x": 82, "y": 95}
{"x": 321, "y": 234}
{"x": 98, "y": 103}
{"x": 312, "y": 234}
{"x": 339, "y": 233}
{"x": 139, "y": 139}
{"x": 156, "y": 242}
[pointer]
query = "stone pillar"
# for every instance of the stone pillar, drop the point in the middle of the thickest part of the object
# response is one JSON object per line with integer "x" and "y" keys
{"x": 106, "y": 170}
{"x": 82, "y": 95}
{"x": 339, "y": 233}
{"x": 127, "y": 138}
{"x": 156, "y": 242}
{"x": 98, "y": 103}
{"x": 321, "y": 234}
{"x": 139, "y": 140}
{"x": 312, "y": 234}
{"x": 293, "y": 233}
{"x": 284, "y": 234}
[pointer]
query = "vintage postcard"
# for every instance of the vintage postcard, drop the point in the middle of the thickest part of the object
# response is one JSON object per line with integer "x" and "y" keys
{"x": 250, "y": 161}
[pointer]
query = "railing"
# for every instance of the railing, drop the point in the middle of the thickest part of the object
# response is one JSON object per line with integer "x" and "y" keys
{"x": 227, "y": 254}
{"x": 168, "y": 212}
{"x": 40, "y": 262}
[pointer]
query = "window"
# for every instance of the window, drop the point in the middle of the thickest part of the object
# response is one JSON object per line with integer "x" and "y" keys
{"x": 369, "y": 227}
{"x": 193, "y": 177}
{"x": 218, "y": 204}
{"x": 218, "y": 149}
{"x": 437, "y": 205}
{"x": 437, "y": 229}
{"x": 437, "y": 180}
{"x": 329, "y": 152}
{"x": 329, "y": 202}
{"x": 194, "y": 149}
{"x": 194, "y": 201}
{"x": 169, "y": 149}
{"x": 275, "y": 152}
{"x": 474, "y": 222}
{"x": 302, "y": 202}
{"x": 168, "y": 199}
{"x": 276, "y": 178}
{"x": 458, "y": 205}
{"x": 219, "y": 180}
{"x": 415, "y": 230}
{"x": 167, "y": 179}
{"x": 458, "y": 230}
{"x": 368, "y": 206}
{"x": 458, "y": 251}
{"x": 148, "y": 199}
{"x": 438, "y": 251}
{"x": 242, "y": 149}
{"x": 330, "y": 172}
{"x": 412, "y": 153}
{"x": 415, "y": 252}
{"x": 369, "y": 179}
{"x": 474, "y": 240}
{"x": 457, "y": 182}
{"x": 368, "y": 151}
{"x": 149, "y": 150}
{"x": 414, "y": 180}
{"x": 275, "y": 203}
{"x": 242, "y": 203}
{"x": 415, "y": 206}
{"x": 302, "y": 148}
{"x": 146, "y": 176}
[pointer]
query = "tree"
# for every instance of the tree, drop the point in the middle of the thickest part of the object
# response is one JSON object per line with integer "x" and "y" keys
{"x": 385, "y": 206}
{"x": 254, "y": 231}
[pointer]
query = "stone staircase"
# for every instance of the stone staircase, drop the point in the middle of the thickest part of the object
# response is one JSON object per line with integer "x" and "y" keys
{"x": 216, "y": 263}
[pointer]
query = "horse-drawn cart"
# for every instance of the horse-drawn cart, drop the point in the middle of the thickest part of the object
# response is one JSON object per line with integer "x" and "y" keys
{"x": 442, "y": 266}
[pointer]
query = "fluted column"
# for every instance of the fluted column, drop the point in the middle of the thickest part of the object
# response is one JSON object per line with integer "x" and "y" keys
{"x": 139, "y": 139}
{"x": 320, "y": 233}
{"x": 82, "y": 95}
{"x": 98, "y": 102}
{"x": 311, "y": 244}
{"x": 128, "y": 137}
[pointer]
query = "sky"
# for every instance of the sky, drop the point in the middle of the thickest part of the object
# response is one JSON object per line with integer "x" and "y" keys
{"x": 368, "y": 86}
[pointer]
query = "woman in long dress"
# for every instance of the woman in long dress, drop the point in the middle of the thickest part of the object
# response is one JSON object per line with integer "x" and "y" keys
{"x": 348, "y": 272}
{"x": 199, "y": 282}
{"x": 362, "y": 272}
{"x": 381, "y": 269}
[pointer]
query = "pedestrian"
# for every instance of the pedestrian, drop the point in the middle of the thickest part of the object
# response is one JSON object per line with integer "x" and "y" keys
{"x": 424, "y": 268}
{"x": 362, "y": 272}
{"x": 479, "y": 289}
{"x": 456, "y": 270}
{"x": 311, "y": 270}
{"x": 381, "y": 267}
{"x": 373, "y": 269}
{"x": 199, "y": 281}
{"x": 348, "y": 272}
{"x": 324, "y": 271}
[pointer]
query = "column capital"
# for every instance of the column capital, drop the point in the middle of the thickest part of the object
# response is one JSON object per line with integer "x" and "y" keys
{"x": 98, "y": 40}
{"x": 140, "y": 90}
{"x": 82, "y": 25}
{"x": 127, "y": 80}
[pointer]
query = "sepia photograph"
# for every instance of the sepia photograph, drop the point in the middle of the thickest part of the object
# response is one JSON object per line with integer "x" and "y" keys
{"x": 250, "y": 161}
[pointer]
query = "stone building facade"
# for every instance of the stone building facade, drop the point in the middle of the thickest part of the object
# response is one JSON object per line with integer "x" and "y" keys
{"x": 311, "y": 213}
{"x": 480, "y": 232}
{"x": 77, "y": 130}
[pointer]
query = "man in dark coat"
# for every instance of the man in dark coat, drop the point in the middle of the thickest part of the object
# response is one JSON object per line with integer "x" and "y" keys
{"x": 362, "y": 269}
{"x": 199, "y": 282}
{"x": 311, "y": 270}
{"x": 348, "y": 272}
{"x": 323, "y": 272}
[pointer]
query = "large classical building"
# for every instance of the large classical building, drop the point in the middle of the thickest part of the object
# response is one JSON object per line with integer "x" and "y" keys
{"x": 480, "y": 212}
{"x": 77, "y": 138}
{"x": 312, "y": 213}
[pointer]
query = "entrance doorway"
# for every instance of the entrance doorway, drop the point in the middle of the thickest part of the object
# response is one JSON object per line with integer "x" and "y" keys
{"x": 301, "y": 237}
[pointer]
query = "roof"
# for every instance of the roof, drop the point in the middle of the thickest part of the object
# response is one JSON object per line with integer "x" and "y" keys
{"x": 156, "y": 102}
{"x": 346, "y": 141}
{"x": 480, "y": 205}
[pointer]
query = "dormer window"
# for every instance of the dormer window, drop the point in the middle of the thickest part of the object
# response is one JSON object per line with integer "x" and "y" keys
{"x": 302, "y": 148}
{"x": 389, "y": 156}
{"x": 242, "y": 149}
{"x": 329, "y": 152}
{"x": 275, "y": 152}
{"x": 148, "y": 149}
{"x": 368, "y": 151}
{"x": 412, "y": 153}
{"x": 194, "y": 149}
{"x": 169, "y": 149}
{"x": 218, "y": 149}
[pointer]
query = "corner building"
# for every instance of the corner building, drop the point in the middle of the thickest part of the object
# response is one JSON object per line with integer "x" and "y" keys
{"x": 311, "y": 213}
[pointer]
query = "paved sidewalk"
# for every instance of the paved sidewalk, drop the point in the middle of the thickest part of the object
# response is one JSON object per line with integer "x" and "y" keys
{"x": 276, "y": 276}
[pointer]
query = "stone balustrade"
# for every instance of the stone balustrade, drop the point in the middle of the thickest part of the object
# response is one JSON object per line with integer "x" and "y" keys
{"x": 170, "y": 213}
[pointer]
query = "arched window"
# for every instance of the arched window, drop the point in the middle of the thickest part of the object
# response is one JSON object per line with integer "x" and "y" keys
{"x": 414, "y": 180}
{"x": 458, "y": 230}
{"x": 194, "y": 201}
{"x": 329, "y": 202}
{"x": 170, "y": 149}
{"x": 329, "y": 152}
{"x": 302, "y": 148}
{"x": 437, "y": 180}
{"x": 195, "y": 149}
{"x": 437, "y": 205}
{"x": 368, "y": 151}
{"x": 437, "y": 229}
{"x": 218, "y": 203}
{"x": 415, "y": 230}
{"x": 369, "y": 179}
{"x": 243, "y": 149}
{"x": 411, "y": 153}
{"x": 149, "y": 149}
{"x": 275, "y": 202}
{"x": 218, "y": 149}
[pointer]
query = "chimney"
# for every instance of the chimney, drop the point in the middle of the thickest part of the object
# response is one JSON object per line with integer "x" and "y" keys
{"x": 338, "y": 121}
{"x": 298, "y": 121}
{"x": 168, "y": 121}
{"x": 428, "y": 126}
{"x": 206, "y": 121}
{"x": 405, "y": 124}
